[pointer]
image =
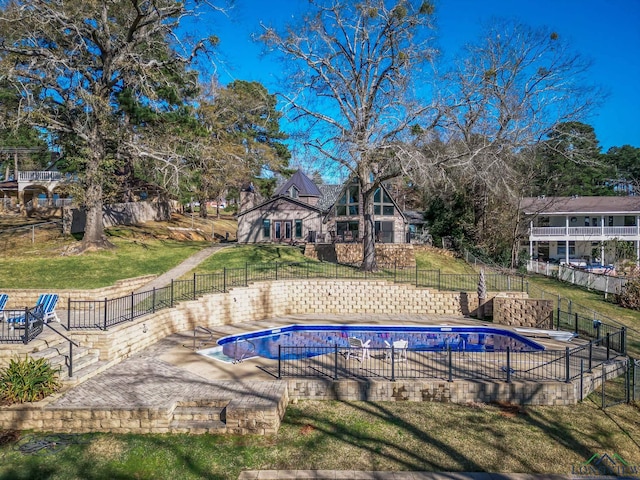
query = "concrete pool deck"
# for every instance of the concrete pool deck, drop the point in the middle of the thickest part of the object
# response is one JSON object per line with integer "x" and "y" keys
{"x": 178, "y": 348}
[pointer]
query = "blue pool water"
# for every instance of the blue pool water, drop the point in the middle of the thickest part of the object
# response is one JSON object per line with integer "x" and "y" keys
{"x": 316, "y": 338}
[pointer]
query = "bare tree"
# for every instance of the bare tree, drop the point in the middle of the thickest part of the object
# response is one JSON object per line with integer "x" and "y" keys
{"x": 73, "y": 60}
{"x": 507, "y": 95}
{"x": 352, "y": 67}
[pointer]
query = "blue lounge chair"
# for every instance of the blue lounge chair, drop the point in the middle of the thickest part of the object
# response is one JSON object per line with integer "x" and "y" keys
{"x": 45, "y": 308}
{"x": 3, "y": 303}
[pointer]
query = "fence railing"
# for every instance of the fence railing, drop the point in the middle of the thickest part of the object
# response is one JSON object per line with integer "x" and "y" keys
{"x": 20, "y": 326}
{"x": 102, "y": 314}
{"x": 593, "y": 281}
{"x": 336, "y": 362}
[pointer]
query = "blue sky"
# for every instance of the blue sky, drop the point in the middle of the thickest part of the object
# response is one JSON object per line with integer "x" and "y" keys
{"x": 606, "y": 31}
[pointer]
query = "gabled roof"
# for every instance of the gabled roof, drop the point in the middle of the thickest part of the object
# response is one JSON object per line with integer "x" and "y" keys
{"x": 275, "y": 199}
{"x": 306, "y": 188}
{"x": 330, "y": 195}
{"x": 580, "y": 205}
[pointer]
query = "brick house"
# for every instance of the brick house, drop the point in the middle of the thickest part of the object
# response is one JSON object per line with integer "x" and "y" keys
{"x": 301, "y": 211}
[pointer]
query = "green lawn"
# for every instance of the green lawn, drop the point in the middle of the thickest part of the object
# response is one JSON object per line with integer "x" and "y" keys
{"x": 238, "y": 256}
{"x": 353, "y": 435}
{"x": 131, "y": 258}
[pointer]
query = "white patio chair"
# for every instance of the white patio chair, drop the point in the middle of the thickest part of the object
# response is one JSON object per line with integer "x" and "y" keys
{"x": 399, "y": 350}
{"x": 358, "y": 348}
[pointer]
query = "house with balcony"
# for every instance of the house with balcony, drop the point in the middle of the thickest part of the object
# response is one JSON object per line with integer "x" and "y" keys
{"x": 29, "y": 189}
{"x": 301, "y": 211}
{"x": 575, "y": 230}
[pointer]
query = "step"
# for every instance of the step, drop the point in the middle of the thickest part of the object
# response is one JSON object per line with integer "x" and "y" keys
{"x": 86, "y": 372}
{"x": 56, "y": 355}
{"x": 195, "y": 427}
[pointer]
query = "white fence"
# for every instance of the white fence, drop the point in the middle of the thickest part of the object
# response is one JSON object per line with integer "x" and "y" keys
{"x": 602, "y": 283}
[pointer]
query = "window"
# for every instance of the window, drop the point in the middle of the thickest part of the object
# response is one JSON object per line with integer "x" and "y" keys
{"x": 293, "y": 193}
{"x": 298, "y": 228}
{"x": 562, "y": 250}
{"x": 611, "y": 221}
{"x": 348, "y": 204}
{"x": 266, "y": 228}
{"x": 384, "y": 232}
{"x": 629, "y": 221}
{"x": 382, "y": 203}
{"x": 586, "y": 221}
{"x": 347, "y": 231}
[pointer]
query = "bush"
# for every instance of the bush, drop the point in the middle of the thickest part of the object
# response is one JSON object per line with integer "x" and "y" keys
{"x": 28, "y": 380}
{"x": 629, "y": 297}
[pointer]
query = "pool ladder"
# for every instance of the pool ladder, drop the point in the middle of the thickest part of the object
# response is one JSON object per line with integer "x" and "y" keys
{"x": 202, "y": 342}
{"x": 244, "y": 354}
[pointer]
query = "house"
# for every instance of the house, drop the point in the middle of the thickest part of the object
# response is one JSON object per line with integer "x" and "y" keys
{"x": 301, "y": 211}
{"x": 580, "y": 230}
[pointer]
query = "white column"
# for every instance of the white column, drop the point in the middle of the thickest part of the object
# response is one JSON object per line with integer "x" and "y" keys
{"x": 602, "y": 253}
{"x": 566, "y": 251}
{"x": 638, "y": 253}
{"x": 602, "y": 226}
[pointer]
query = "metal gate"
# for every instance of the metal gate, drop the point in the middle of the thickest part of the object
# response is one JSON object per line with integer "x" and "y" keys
{"x": 620, "y": 386}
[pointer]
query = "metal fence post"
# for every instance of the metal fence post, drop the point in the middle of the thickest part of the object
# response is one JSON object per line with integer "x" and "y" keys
{"x": 279, "y": 362}
{"x": 608, "y": 344}
{"x": 224, "y": 279}
{"x": 172, "y": 293}
{"x": 70, "y": 359}
{"x": 623, "y": 340}
{"x": 508, "y": 365}
{"x": 27, "y": 321}
{"x": 393, "y": 364}
{"x": 335, "y": 361}
{"x": 590, "y": 356}
{"x": 567, "y": 366}
{"x": 68, "y": 313}
{"x": 246, "y": 274}
{"x": 575, "y": 323}
{"x": 194, "y": 286}
{"x": 105, "y": 313}
{"x": 450, "y": 379}
{"x": 581, "y": 379}
{"x": 153, "y": 300}
{"x": 132, "y": 306}
{"x": 276, "y": 270}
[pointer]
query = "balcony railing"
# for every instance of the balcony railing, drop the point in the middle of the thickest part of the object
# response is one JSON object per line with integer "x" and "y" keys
{"x": 585, "y": 231}
{"x": 39, "y": 176}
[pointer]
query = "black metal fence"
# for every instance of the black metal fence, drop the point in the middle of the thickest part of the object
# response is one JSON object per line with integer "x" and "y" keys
{"x": 336, "y": 362}
{"x": 102, "y": 314}
{"x": 21, "y": 326}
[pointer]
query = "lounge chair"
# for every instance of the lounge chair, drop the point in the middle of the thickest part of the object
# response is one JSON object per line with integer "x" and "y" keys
{"x": 399, "y": 349}
{"x": 3, "y": 303}
{"x": 358, "y": 348}
{"x": 45, "y": 308}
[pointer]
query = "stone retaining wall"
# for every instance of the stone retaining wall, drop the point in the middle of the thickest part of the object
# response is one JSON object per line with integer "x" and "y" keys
{"x": 399, "y": 254}
{"x": 20, "y": 298}
{"x": 523, "y": 312}
{"x": 458, "y": 391}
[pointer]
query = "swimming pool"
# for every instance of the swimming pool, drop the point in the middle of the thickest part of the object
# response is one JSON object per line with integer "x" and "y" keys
{"x": 316, "y": 338}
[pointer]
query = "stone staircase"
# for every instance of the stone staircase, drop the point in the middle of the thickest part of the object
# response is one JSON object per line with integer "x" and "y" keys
{"x": 55, "y": 349}
{"x": 198, "y": 417}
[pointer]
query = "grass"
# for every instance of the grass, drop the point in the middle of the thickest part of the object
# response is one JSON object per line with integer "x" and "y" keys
{"x": 397, "y": 436}
{"x": 239, "y": 255}
{"x": 592, "y": 300}
{"x": 151, "y": 249}
{"x": 435, "y": 259}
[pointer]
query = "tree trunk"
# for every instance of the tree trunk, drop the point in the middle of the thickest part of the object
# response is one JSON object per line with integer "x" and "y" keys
{"x": 369, "y": 263}
{"x": 94, "y": 237}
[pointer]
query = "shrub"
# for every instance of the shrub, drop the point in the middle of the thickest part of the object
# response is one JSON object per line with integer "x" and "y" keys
{"x": 629, "y": 297}
{"x": 28, "y": 380}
